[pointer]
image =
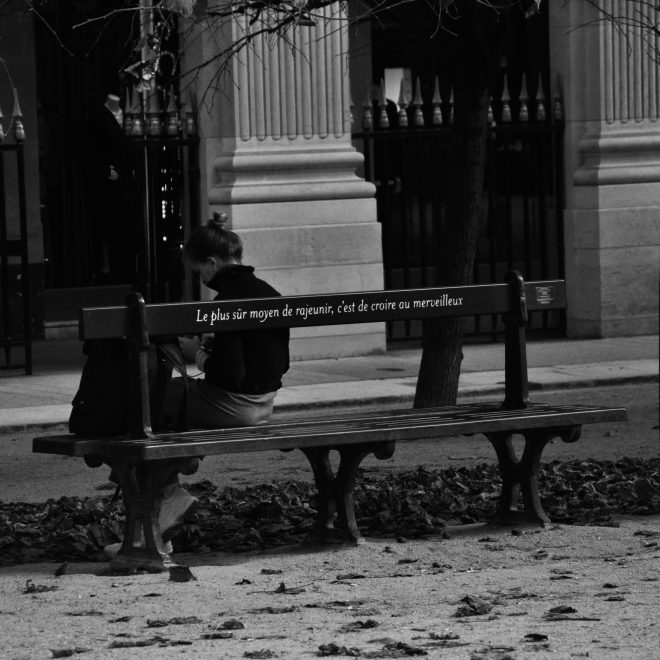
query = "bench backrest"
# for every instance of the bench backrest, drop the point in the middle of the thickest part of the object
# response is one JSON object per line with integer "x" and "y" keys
{"x": 329, "y": 309}
{"x": 137, "y": 321}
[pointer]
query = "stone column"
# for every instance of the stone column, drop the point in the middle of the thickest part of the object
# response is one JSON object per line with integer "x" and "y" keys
{"x": 277, "y": 158}
{"x": 611, "y": 91}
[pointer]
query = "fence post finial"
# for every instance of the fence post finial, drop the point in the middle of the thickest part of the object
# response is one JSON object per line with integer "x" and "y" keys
{"x": 436, "y": 102}
{"x": 506, "y": 102}
{"x": 418, "y": 117}
{"x": 367, "y": 112}
{"x": 403, "y": 104}
{"x": 17, "y": 116}
{"x": 540, "y": 104}
{"x": 172, "y": 127}
{"x": 383, "y": 119}
{"x": 491, "y": 115}
{"x": 189, "y": 109}
{"x": 136, "y": 126}
{"x": 128, "y": 113}
{"x": 523, "y": 113}
{"x": 451, "y": 107}
{"x": 155, "y": 125}
{"x": 557, "y": 101}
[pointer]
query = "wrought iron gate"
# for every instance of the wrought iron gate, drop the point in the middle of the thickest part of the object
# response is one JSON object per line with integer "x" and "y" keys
{"x": 159, "y": 181}
{"x": 165, "y": 205}
{"x": 15, "y": 304}
{"x": 407, "y": 152}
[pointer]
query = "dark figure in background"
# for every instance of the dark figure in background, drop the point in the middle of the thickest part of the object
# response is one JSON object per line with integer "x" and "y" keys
{"x": 112, "y": 232}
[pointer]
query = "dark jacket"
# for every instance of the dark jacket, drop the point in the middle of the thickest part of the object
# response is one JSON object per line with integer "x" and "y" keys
{"x": 246, "y": 361}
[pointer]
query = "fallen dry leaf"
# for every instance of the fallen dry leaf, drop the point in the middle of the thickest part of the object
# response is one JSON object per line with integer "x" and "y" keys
{"x": 283, "y": 589}
{"x": 181, "y": 574}
{"x": 473, "y": 607}
{"x": 67, "y": 653}
{"x": 32, "y": 588}
{"x": 218, "y": 634}
{"x": 356, "y": 626}
{"x": 326, "y": 650}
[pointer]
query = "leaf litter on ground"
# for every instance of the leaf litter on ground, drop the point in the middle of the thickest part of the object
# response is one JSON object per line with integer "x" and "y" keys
{"x": 473, "y": 606}
{"x": 391, "y": 649}
{"x": 405, "y": 505}
{"x": 32, "y": 588}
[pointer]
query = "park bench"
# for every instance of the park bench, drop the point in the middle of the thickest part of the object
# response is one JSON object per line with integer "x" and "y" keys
{"x": 143, "y": 461}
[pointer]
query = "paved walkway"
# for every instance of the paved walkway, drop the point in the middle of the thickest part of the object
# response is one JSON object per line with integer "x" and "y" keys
{"x": 44, "y": 398}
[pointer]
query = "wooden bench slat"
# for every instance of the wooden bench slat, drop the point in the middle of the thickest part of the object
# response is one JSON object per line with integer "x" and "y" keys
{"x": 328, "y": 431}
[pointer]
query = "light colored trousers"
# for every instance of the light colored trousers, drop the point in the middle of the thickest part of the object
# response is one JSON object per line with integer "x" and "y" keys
{"x": 212, "y": 407}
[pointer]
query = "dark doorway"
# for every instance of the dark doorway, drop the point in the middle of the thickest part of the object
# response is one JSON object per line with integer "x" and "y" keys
{"x": 77, "y": 66}
{"x": 117, "y": 200}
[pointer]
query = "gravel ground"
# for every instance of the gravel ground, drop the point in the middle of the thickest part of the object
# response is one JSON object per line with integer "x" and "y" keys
{"x": 483, "y": 593}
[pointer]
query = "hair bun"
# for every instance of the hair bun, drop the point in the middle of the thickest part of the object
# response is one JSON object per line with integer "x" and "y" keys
{"x": 218, "y": 220}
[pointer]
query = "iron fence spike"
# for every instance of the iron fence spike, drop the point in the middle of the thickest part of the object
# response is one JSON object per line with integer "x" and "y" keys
{"x": 383, "y": 119}
{"x": 367, "y": 113}
{"x": 136, "y": 110}
{"x": 540, "y": 103}
{"x": 403, "y": 104}
{"x": 505, "y": 98}
{"x": 451, "y": 106}
{"x": 191, "y": 123}
{"x": 436, "y": 102}
{"x": 17, "y": 117}
{"x": 128, "y": 113}
{"x": 524, "y": 92}
{"x": 418, "y": 102}
{"x": 557, "y": 101}
{"x": 437, "y": 98}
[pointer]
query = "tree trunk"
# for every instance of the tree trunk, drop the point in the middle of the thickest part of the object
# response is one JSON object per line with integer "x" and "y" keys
{"x": 475, "y": 57}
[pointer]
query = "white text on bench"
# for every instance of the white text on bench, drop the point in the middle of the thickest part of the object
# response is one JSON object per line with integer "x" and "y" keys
{"x": 445, "y": 301}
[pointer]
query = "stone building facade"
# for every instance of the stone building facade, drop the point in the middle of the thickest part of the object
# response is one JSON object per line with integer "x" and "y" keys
{"x": 611, "y": 80}
{"x": 276, "y": 156}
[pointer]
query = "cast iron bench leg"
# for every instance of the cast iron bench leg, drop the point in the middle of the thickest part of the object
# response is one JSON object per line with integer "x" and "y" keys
{"x": 142, "y": 487}
{"x": 335, "y": 492}
{"x": 520, "y": 475}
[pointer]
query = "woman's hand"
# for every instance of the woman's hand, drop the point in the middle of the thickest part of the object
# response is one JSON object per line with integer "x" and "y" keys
{"x": 189, "y": 347}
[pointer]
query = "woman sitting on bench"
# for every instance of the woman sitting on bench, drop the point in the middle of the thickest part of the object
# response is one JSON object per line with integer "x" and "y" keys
{"x": 242, "y": 369}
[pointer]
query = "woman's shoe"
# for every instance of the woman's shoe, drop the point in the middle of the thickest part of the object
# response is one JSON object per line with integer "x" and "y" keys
{"x": 177, "y": 505}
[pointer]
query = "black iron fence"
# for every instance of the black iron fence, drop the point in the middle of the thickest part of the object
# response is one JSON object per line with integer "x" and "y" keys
{"x": 407, "y": 152}
{"x": 130, "y": 231}
{"x": 164, "y": 157}
{"x": 16, "y": 319}
{"x": 165, "y": 204}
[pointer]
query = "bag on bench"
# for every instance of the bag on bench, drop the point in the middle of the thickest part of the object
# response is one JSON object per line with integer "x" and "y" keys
{"x": 100, "y": 407}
